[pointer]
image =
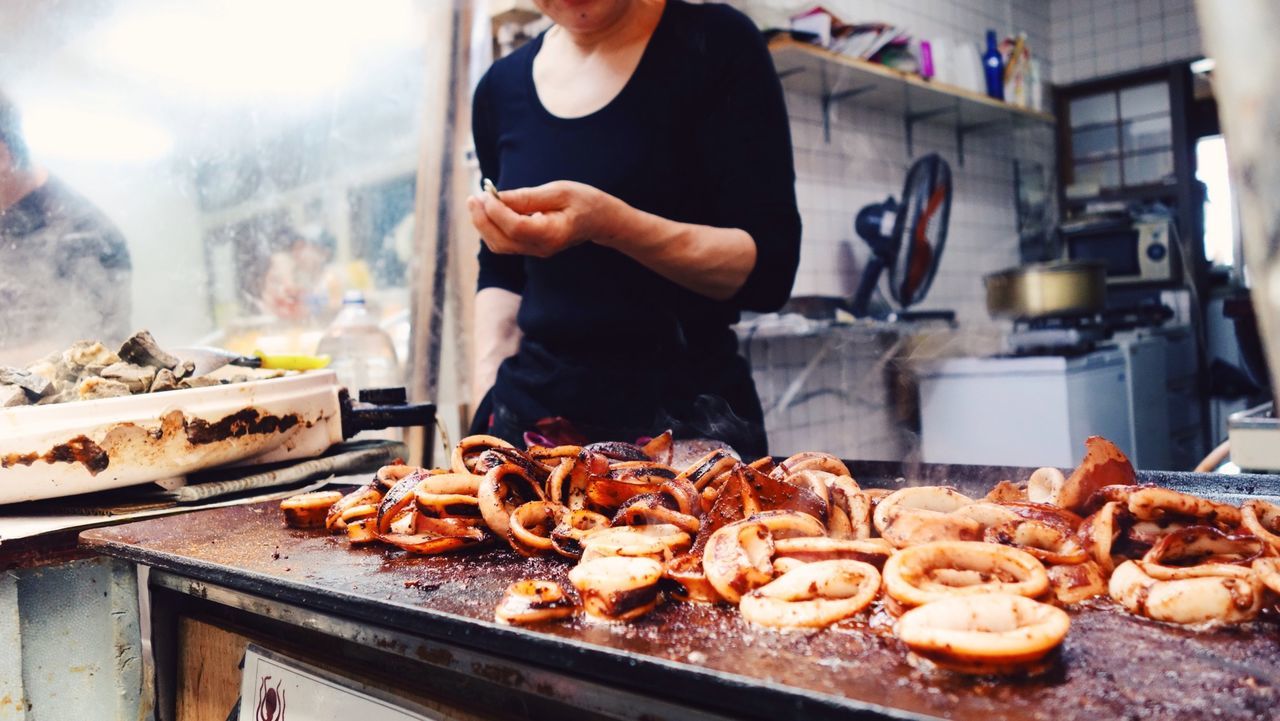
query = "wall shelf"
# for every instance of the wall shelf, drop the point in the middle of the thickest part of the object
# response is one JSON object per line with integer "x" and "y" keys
{"x": 835, "y": 78}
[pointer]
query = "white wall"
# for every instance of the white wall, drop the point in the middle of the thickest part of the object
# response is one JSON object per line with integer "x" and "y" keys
{"x": 866, "y": 158}
{"x": 1093, "y": 38}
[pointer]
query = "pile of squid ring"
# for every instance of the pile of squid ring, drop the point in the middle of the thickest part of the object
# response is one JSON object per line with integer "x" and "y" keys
{"x": 977, "y": 585}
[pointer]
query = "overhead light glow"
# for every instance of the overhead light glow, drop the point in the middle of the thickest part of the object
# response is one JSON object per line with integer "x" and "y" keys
{"x": 83, "y": 133}
{"x": 252, "y": 50}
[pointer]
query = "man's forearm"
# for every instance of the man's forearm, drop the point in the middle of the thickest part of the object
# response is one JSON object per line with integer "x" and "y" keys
{"x": 497, "y": 337}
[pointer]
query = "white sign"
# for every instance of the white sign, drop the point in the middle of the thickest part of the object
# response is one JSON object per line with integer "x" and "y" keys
{"x": 274, "y": 688}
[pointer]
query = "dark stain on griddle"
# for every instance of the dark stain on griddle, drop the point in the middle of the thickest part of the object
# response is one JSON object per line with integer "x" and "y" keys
{"x": 80, "y": 449}
{"x": 241, "y": 423}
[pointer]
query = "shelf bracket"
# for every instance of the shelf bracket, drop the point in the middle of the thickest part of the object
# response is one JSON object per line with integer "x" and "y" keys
{"x": 909, "y": 121}
{"x": 963, "y": 130}
{"x": 830, "y": 99}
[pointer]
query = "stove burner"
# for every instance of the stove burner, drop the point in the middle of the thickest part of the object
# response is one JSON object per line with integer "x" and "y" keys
{"x": 1080, "y": 334}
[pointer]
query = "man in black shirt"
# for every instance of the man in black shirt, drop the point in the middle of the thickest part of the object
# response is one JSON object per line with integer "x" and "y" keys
{"x": 644, "y": 151}
{"x": 64, "y": 268}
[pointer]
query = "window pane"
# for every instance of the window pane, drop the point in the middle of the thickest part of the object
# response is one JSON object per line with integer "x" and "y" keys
{"x": 252, "y": 160}
{"x": 1144, "y": 100}
{"x": 1095, "y": 142}
{"x": 1148, "y": 168}
{"x": 1103, "y": 174}
{"x": 1093, "y": 109}
{"x": 1148, "y": 134}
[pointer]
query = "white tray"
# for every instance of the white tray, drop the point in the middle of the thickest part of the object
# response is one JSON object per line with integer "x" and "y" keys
{"x": 71, "y": 448}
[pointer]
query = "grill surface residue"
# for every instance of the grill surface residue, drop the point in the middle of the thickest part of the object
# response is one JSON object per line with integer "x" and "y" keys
{"x": 80, "y": 449}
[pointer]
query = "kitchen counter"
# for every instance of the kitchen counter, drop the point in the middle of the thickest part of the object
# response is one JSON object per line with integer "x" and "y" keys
{"x": 685, "y": 661}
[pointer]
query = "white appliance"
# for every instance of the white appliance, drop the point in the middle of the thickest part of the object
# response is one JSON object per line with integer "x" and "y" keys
{"x": 1024, "y": 411}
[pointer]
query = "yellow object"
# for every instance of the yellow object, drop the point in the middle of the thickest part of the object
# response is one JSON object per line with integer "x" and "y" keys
{"x": 292, "y": 362}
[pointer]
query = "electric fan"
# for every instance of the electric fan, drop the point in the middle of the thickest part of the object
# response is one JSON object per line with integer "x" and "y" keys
{"x": 907, "y": 238}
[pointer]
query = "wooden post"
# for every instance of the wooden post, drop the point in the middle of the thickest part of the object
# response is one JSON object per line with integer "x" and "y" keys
{"x": 446, "y": 123}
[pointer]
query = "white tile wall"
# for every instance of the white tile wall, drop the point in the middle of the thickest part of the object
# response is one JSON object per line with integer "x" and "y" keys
{"x": 866, "y": 158}
{"x": 1093, "y": 38}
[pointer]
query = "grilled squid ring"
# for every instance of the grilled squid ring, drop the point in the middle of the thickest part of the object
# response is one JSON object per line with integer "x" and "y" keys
{"x": 567, "y": 537}
{"x": 1060, "y": 518}
{"x": 449, "y": 483}
{"x": 923, "y": 514}
{"x": 660, "y": 542}
{"x": 815, "y": 481}
{"x": 848, "y": 509}
{"x": 737, "y": 559}
{"x": 708, "y": 469}
{"x": 1041, "y": 540}
{"x": 617, "y": 588}
{"x": 1045, "y": 485}
{"x": 917, "y": 575}
{"x": 467, "y": 453}
{"x": 504, "y": 489}
{"x": 364, "y": 530}
{"x": 811, "y": 549}
{"x": 990, "y": 633}
{"x": 446, "y": 505}
{"x": 1207, "y": 594}
{"x": 650, "y": 508}
{"x": 1155, "y": 504}
{"x": 813, "y": 595}
{"x": 660, "y": 448}
{"x": 1145, "y": 534}
{"x": 1268, "y": 572}
{"x": 811, "y": 460}
{"x": 684, "y": 494}
{"x": 618, "y": 451}
{"x": 533, "y": 601}
{"x": 430, "y": 544}
{"x": 449, "y": 526}
{"x": 987, "y": 514}
{"x": 388, "y": 476}
{"x": 358, "y": 513}
{"x": 544, "y": 454}
{"x": 1262, "y": 519}
{"x": 1099, "y": 532}
{"x": 532, "y": 524}
{"x": 1007, "y": 491}
{"x": 398, "y": 499}
{"x": 1201, "y": 545}
{"x": 309, "y": 510}
{"x": 567, "y": 483}
{"x": 363, "y": 496}
{"x": 688, "y": 581}
{"x": 1073, "y": 583}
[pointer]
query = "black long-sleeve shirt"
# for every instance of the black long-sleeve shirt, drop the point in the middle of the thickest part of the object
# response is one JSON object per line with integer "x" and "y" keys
{"x": 699, "y": 134}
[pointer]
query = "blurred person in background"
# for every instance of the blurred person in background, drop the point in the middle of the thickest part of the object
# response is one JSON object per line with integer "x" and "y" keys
{"x": 64, "y": 267}
{"x": 303, "y": 283}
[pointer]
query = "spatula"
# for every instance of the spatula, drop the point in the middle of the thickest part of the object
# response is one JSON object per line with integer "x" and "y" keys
{"x": 207, "y": 360}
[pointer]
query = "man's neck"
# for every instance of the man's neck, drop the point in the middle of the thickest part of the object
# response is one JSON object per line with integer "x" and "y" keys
{"x": 18, "y": 184}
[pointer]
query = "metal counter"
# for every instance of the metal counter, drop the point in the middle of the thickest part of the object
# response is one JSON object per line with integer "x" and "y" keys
{"x": 681, "y": 661}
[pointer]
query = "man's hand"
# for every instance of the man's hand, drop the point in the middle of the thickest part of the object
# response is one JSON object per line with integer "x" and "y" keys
{"x": 544, "y": 220}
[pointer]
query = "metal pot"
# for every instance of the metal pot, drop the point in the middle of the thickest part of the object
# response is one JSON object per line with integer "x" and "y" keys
{"x": 1043, "y": 290}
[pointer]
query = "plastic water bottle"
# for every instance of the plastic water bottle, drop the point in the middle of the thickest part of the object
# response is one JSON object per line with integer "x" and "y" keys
{"x": 360, "y": 352}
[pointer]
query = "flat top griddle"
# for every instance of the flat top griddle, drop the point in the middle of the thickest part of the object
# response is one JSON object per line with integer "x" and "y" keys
{"x": 1112, "y": 665}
